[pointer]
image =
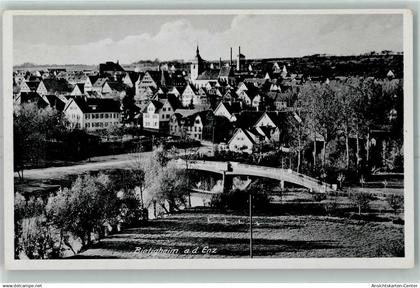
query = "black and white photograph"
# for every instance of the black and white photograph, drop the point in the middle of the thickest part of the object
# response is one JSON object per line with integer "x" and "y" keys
{"x": 208, "y": 139}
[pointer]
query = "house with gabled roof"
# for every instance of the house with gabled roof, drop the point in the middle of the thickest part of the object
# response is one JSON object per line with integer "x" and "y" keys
{"x": 78, "y": 90}
{"x": 32, "y": 97}
{"x": 189, "y": 96}
{"x": 29, "y": 86}
{"x": 243, "y": 141}
{"x": 228, "y": 110}
{"x": 131, "y": 78}
{"x": 110, "y": 68}
{"x": 208, "y": 76}
{"x": 92, "y": 114}
{"x": 151, "y": 80}
{"x": 113, "y": 90}
{"x": 54, "y": 87}
{"x": 90, "y": 80}
{"x": 76, "y": 78}
{"x": 98, "y": 84}
{"x": 247, "y": 119}
{"x": 251, "y": 97}
{"x": 156, "y": 114}
{"x": 278, "y": 99}
{"x": 226, "y": 74}
{"x": 57, "y": 102}
{"x": 191, "y": 123}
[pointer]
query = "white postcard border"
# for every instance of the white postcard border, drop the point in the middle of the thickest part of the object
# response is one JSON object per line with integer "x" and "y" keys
{"x": 255, "y": 263}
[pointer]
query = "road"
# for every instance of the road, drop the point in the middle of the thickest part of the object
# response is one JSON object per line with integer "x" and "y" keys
{"x": 95, "y": 164}
{"x": 114, "y": 161}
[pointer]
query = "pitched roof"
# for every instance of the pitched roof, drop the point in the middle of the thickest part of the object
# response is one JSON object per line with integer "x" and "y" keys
{"x": 279, "y": 118}
{"x": 134, "y": 76}
{"x": 57, "y": 85}
{"x": 247, "y": 119}
{"x": 99, "y": 82}
{"x": 81, "y": 87}
{"x": 186, "y": 112}
{"x": 157, "y": 104}
{"x": 33, "y": 85}
{"x": 110, "y": 66}
{"x": 116, "y": 86}
{"x": 247, "y": 133}
{"x": 160, "y": 77}
{"x": 26, "y": 97}
{"x": 93, "y": 78}
{"x": 56, "y": 102}
{"x": 225, "y": 71}
{"x": 256, "y": 81}
{"x": 278, "y": 96}
{"x": 97, "y": 105}
{"x": 233, "y": 107}
{"x": 76, "y": 78}
{"x": 212, "y": 74}
{"x": 189, "y": 118}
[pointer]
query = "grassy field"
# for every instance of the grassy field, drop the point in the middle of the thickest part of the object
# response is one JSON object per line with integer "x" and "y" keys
{"x": 214, "y": 235}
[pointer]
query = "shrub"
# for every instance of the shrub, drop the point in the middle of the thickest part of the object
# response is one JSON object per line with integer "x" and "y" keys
{"x": 36, "y": 241}
{"x": 331, "y": 206}
{"x": 361, "y": 200}
{"x": 238, "y": 199}
{"x": 396, "y": 202}
{"x": 318, "y": 197}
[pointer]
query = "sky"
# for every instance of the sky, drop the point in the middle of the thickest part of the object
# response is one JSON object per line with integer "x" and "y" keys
{"x": 130, "y": 38}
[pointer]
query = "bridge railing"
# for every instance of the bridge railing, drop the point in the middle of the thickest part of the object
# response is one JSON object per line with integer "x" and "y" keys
{"x": 304, "y": 177}
{"x": 226, "y": 166}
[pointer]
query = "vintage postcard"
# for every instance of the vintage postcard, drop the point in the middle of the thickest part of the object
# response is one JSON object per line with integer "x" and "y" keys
{"x": 208, "y": 139}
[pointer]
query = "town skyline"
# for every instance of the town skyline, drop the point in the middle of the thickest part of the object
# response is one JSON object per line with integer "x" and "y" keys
{"x": 141, "y": 38}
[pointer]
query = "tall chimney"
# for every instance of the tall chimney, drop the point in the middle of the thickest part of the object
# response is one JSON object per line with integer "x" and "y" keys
{"x": 220, "y": 62}
{"x": 231, "y": 56}
{"x": 238, "y": 63}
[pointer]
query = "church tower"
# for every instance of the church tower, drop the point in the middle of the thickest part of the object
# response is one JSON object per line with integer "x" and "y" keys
{"x": 197, "y": 65}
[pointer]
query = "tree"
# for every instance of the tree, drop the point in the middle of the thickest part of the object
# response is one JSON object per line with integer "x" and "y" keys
{"x": 32, "y": 234}
{"x": 320, "y": 112}
{"x": 165, "y": 182}
{"x": 341, "y": 177}
{"x": 32, "y": 127}
{"x": 307, "y": 102}
{"x": 85, "y": 207}
{"x": 361, "y": 200}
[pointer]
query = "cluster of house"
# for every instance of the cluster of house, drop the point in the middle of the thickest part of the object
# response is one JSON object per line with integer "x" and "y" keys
{"x": 230, "y": 101}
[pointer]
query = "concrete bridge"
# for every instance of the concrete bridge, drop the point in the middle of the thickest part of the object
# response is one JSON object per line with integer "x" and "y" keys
{"x": 239, "y": 169}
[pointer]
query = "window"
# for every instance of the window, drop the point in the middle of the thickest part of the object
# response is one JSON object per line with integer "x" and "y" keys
{"x": 102, "y": 116}
{"x": 106, "y": 115}
{"x": 164, "y": 109}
